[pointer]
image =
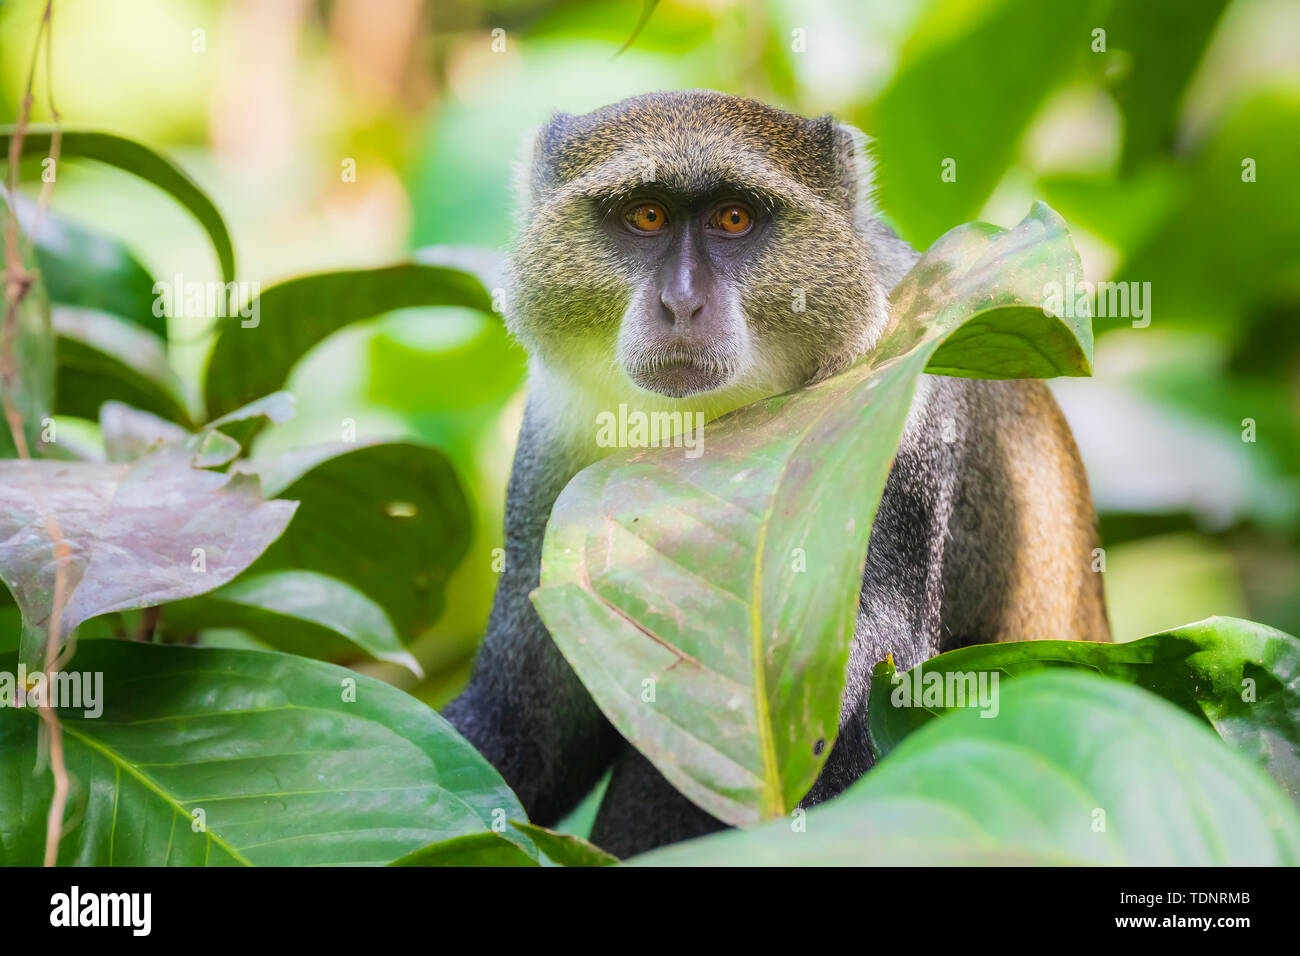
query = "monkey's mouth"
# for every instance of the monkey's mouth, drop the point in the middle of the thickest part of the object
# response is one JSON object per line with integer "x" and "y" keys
{"x": 678, "y": 376}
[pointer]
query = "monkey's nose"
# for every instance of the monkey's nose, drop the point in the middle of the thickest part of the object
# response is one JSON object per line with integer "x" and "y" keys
{"x": 682, "y": 306}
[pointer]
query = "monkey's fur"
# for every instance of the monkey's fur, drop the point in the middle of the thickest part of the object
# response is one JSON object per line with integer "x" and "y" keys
{"x": 985, "y": 536}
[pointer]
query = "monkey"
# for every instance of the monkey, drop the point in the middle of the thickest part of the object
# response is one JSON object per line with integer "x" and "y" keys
{"x": 659, "y": 241}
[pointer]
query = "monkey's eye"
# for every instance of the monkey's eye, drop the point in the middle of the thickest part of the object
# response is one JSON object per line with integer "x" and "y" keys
{"x": 646, "y": 217}
{"x": 731, "y": 219}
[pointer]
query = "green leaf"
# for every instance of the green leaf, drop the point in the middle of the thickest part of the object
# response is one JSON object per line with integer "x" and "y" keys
{"x": 91, "y": 270}
{"x": 1124, "y": 211}
{"x": 963, "y": 96}
{"x": 129, "y": 433}
{"x": 647, "y": 9}
{"x": 103, "y": 357}
{"x": 481, "y": 373}
{"x": 474, "y": 849}
{"x": 245, "y": 422}
{"x": 26, "y": 357}
{"x": 1050, "y": 780}
{"x": 679, "y": 570}
{"x": 492, "y": 849}
{"x": 1157, "y": 46}
{"x": 292, "y": 317}
{"x": 389, "y": 519}
{"x": 137, "y": 534}
{"x": 275, "y": 408}
{"x": 140, "y": 160}
{"x": 1240, "y": 677}
{"x": 1016, "y": 343}
{"x": 1205, "y": 283}
{"x": 566, "y": 849}
{"x": 293, "y": 762}
{"x": 297, "y": 611}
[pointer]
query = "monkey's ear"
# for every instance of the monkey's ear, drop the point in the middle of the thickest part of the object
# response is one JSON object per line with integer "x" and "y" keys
{"x": 854, "y": 168}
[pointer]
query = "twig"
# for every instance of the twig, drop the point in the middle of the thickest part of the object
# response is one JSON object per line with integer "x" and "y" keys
{"x": 18, "y": 284}
{"x": 148, "y": 623}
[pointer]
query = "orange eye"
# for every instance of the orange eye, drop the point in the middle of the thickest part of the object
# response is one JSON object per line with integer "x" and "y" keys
{"x": 733, "y": 220}
{"x": 647, "y": 217}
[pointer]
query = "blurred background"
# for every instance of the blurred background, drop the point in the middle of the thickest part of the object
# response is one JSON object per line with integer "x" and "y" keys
{"x": 1134, "y": 120}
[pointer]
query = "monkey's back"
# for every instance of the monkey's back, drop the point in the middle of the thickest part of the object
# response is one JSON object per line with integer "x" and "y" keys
{"x": 985, "y": 532}
{"x": 989, "y": 491}
{"x": 1021, "y": 554}
{"x": 986, "y": 521}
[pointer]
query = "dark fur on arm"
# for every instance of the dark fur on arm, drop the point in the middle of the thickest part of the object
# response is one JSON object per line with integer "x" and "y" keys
{"x": 525, "y": 709}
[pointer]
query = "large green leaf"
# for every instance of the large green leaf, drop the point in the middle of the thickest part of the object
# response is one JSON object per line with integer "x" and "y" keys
{"x": 292, "y": 762}
{"x": 1074, "y": 769}
{"x": 296, "y": 315}
{"x": 684, "y": 572}
{"x": 459, "y": 382}
{"x": 141, "y": 161}
{"x": 971, "y": 77}
{"x": 565, "y": 849}
{"x": 389, "y": 519}
{"x": 1152, "y": 50}
{"x": 137, "y": 534}
{"x": 103, "y": 357}
{"x": 474, "y": 849}
{"x": 1204, "y": 282}
{"x": 91, "y": 270}
{"x": 493, "y": 849}
{"x": 296, "y": 611}
{"x": 1240, "y": 677}
{"x": 26, "y": 356}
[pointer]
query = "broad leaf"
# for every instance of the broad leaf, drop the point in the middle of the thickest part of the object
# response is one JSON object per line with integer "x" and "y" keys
{"x": 90, "y": 270}
{"x": 1240, "y": 677}
{"x": 296, "y": 611}
{"x": 1074, "y": 770}
{"x": 137, "y": 534}
{"x": 456, "y": 389}
{"x": 129, "y": 433}
{"x": 294, "y": 316}
{"x": 1203, "y": 282}
{"x": 950, "y": 123}
{"x": 683, "y": 574}
{"x": 565, "y": 849}
{"x": 1016, "y": 343}
{"x": 141, "y": 161}
{"x": 474, "y": 849}
{"x": 494, "y": 850}
{"x": 243, "y": 424}
{"x": 1157, "y": 48}
{"x": 291, "y": 761}
{"x": 389, "y": 519}
{"x": 103, "y": 357}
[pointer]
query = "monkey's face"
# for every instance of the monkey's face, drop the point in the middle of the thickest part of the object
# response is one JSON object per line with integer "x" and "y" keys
{"x": 695, "y": 244}
{"x": 684, "y": 329}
